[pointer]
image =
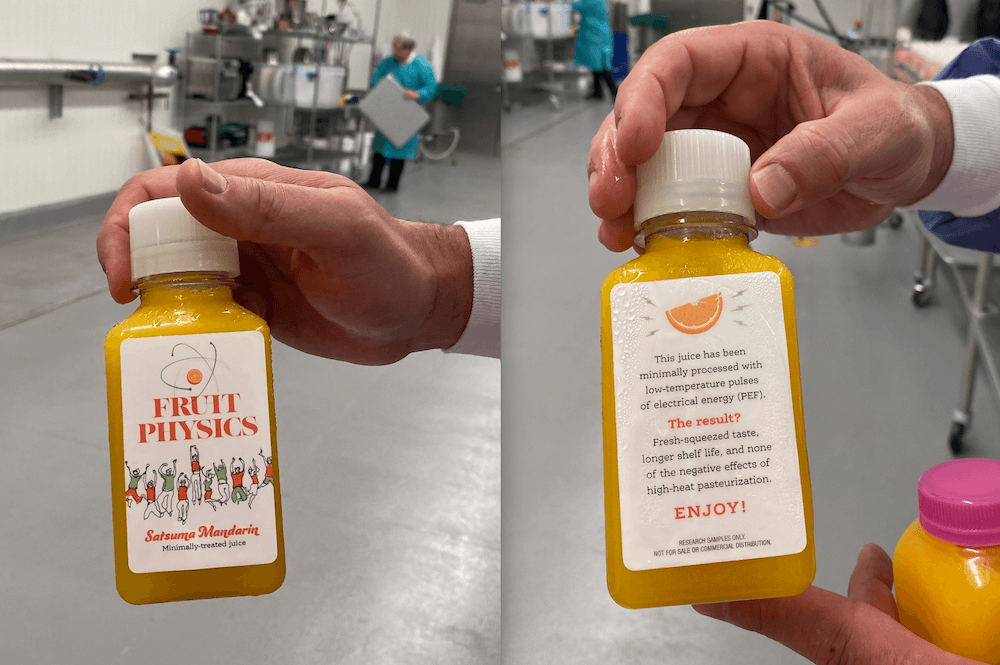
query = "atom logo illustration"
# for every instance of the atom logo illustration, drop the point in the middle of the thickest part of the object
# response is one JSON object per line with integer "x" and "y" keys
{"x": 191, "y": 369}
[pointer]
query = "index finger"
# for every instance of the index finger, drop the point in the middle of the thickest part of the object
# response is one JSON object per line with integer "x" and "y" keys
{"x": 158, "y": 183}
{"x": 871, "y": 581}
{"x": 826, "y": 628}
{"x": 688, "y": 68}
{"x": 612, "y": 184}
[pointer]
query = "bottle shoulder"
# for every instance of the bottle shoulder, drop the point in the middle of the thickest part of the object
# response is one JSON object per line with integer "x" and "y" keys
{"x": 678, "y": 263}
{"x": 159, "y": 320}
{"x": 921, "y": 551}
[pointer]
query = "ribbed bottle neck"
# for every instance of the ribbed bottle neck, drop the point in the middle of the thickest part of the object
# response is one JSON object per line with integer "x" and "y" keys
{"x": 691, "y": 226}
{"x": 185, "y": 289}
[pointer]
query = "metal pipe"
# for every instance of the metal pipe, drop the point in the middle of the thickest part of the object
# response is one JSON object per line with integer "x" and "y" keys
{"x": 57, "y": 72}
{"x": 373, "y": 60}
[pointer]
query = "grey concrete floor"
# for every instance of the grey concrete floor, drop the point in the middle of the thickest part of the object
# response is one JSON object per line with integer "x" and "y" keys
{"x": 390, "y": 482}
{"x": 880, "y": 380}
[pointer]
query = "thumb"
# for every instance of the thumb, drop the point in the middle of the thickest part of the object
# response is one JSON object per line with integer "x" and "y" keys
{"x": 252, "y": 208}
{"x": 828, "y": 628}
{"x": 871, "y": 581}
{"x": 850, "y": 149}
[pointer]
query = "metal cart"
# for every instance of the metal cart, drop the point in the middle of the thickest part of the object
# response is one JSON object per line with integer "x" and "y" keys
{"x": 323, "y": 135}
{"x": 971, "y": 273}
{"x": 546, "y": 55}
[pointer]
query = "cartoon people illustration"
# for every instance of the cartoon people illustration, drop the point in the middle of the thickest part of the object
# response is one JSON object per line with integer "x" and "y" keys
{"x": 134, "y": 478}
{"x": 222, "y": 484}
{"x": 254, "y": 470}
{"x": 209, "y": 476}
{"x": 196, "y": 488}
{"x": 165, "y": 501}
{"x": 151, "y": 506}
{"x": 183, "y": 490}
{"x": 268, "y": 471}
{"x": 239, "y": 493}
{"x": 182, "y": 498}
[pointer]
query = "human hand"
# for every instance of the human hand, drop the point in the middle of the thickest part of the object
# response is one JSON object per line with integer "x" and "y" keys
{"x": 835, "y": 144}
{"x": 412, "y": 94}
{"x": 825, "y": 627}
{"x": 329, "y": 269}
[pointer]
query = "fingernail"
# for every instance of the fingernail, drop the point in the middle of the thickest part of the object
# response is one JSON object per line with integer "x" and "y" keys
{"x": 775, "y": 186}
{"x": 211, "y": 181}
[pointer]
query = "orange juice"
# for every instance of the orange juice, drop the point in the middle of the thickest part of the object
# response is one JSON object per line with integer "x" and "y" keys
{"x": 195, "y": 502}
{"x": 707, "y": 494}
{"x": 946, "y": 567}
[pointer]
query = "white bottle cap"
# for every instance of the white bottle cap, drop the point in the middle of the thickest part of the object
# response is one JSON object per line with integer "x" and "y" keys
{"x": 165, "y": 238}
{"x": 695, "y": 170}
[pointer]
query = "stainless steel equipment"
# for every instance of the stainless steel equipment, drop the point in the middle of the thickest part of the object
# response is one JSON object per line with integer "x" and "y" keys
{"x": 209, "y": 19}
{"x": 473, "y": 59}
{"x": 686, "y": 14}
{"x": 878, "y": 40}
{"x": 214, "y": 78}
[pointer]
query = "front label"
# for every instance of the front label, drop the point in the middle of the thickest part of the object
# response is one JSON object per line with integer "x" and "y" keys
{"x": 708, "y": 466}
{"x": 198, "y": 479}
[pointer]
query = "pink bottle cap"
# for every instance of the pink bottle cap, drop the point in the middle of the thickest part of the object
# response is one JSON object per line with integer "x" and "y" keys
{"x": 960, "y": 502}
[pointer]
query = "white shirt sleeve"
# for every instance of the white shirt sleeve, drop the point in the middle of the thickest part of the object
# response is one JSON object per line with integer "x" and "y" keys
{"x": 971, "y": 187}
{"x": 482, "y": 333}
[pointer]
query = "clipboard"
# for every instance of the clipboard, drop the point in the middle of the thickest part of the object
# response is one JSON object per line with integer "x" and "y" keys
{"x": 392, "y": 114}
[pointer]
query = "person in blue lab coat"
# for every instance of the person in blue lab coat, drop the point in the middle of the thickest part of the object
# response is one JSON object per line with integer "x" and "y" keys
{"x": 594, "y": 44}
{"x": 414, "y": 73}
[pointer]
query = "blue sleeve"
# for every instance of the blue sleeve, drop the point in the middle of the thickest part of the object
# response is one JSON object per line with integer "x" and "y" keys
{"x": 983, "y": 232}
{"x": 427, "y": 86}
{"x": 380, "y": 71}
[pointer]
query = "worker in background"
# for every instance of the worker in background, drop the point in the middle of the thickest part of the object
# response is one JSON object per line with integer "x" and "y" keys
{"x": 836, "y": 145}
{"x": 331, "y": 272}
{"x": 415, "y": 74}
{"x": 595, "y": 44}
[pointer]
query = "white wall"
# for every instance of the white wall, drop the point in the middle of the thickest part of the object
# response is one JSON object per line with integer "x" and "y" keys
{"x": 97, "y": 144}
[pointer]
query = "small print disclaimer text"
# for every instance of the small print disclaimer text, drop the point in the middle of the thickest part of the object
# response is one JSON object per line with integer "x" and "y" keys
{"x": 735, "y": 541}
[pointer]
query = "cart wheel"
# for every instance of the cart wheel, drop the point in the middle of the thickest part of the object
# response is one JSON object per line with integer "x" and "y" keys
{"x": 955, "y": 437}
{"x": 895, "y": 220}
{"x": 920, "y": 297}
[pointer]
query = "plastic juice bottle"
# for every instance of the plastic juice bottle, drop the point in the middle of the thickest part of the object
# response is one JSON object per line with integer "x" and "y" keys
{"x": 947, "y": 564}
{"x": 706, "y": 482}
{"x": 191, "y": 422}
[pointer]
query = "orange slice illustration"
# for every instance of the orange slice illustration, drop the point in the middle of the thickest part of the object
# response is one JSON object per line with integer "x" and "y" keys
{"x": 696, "y": 317}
